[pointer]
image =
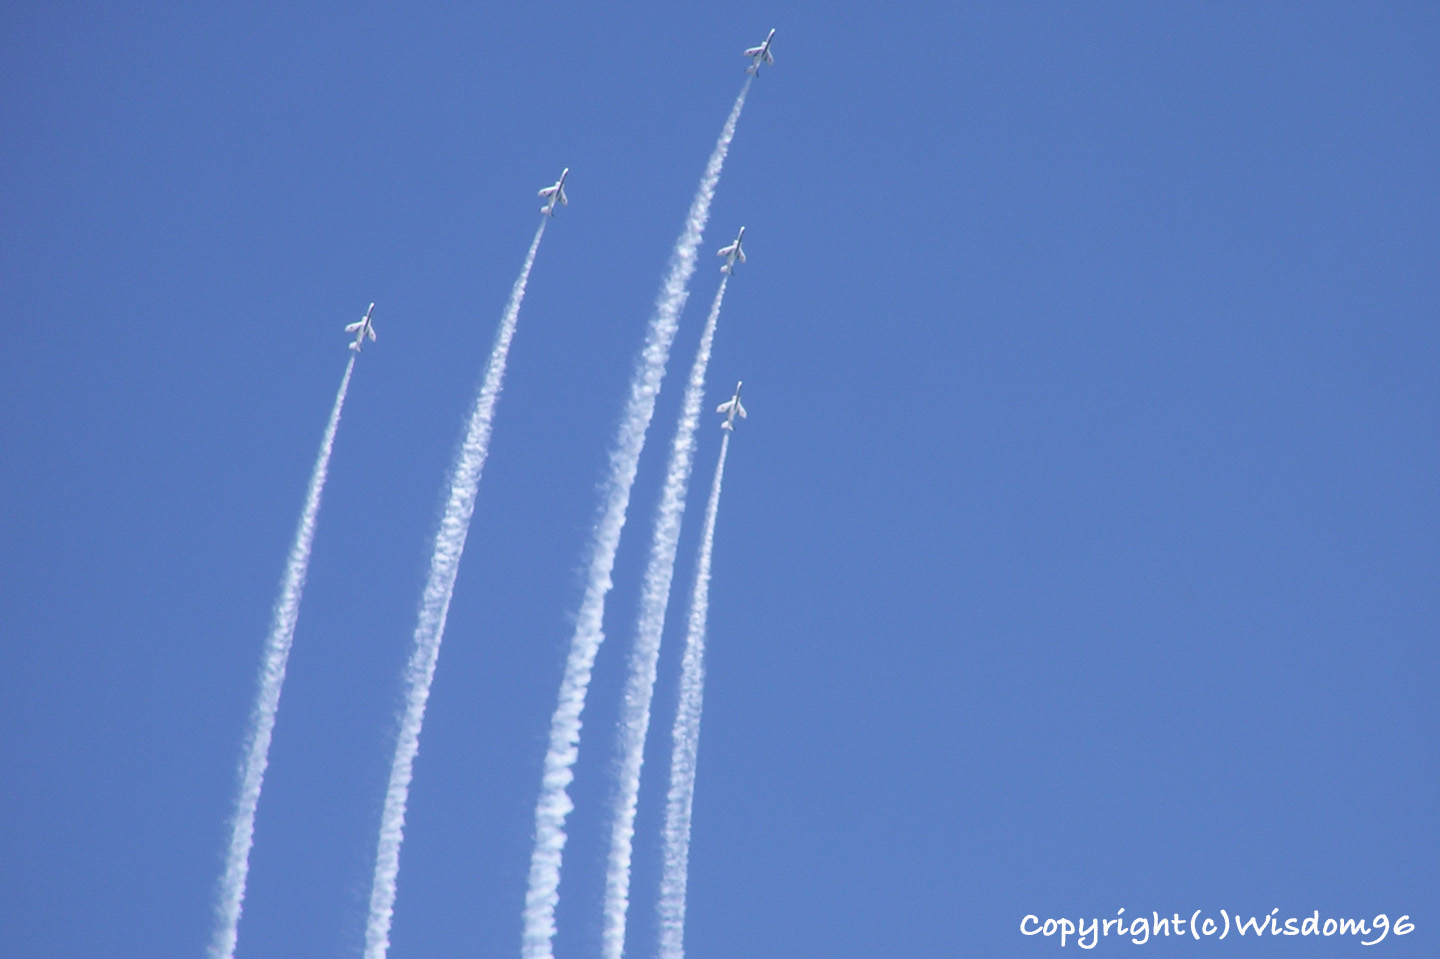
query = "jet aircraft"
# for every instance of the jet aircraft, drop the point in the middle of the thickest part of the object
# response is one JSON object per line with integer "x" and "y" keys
{"x": 759, "y": 55}
{"x": 731, "y": 407}
{"x": 556, "y": 192}
{"x": 733, "y": 254}
{"x": 361, "y": 328}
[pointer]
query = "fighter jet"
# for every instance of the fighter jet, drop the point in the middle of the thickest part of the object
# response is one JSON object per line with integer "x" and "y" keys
{"x": 759, "y": 55}
{"x": 556, "y": 192}
{"x": 361, "y": 328}
{"x": 733, "y": 254}
{"x": 731, "y": 407}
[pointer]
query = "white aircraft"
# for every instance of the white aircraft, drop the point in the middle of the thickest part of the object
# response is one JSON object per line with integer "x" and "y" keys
{"x": 733, "y": 254}
{"x": 759, "y": 55}
{"x": 361, "y": 328}
{"x": 731, "y": 406}
{"x": 556, "y": 192}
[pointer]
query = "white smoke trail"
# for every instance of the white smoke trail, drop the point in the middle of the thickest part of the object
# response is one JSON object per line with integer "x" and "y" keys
{"x": 267, "y": 700}
{"x": 554, "y": 804}
{"x": 640, "y": 687}
{"x": 430, "y": 625}
{"x": 686, "y": 735}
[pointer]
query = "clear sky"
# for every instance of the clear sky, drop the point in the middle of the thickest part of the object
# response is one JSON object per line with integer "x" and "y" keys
{"x": 1080, "y": 550}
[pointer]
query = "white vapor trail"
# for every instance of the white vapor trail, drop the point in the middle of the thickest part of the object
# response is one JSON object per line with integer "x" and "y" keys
{"x": 640, "y": 687}
{"x": 554, "y": 803}
{"x": 430, "y": 625}
{"x": 267, "y": 700}
{"x": 686, "y": 735}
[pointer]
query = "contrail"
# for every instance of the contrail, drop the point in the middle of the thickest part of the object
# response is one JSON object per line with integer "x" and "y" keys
{"x": 680, "y": 800}
{"x": 430, "y": 625}
{"x": 554, "y": 803}
{"x": 267, "y": 700}
{"x": 640, "y": 687}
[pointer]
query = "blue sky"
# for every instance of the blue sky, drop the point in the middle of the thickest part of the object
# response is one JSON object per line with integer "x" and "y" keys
{"x": 1079, "y": 552}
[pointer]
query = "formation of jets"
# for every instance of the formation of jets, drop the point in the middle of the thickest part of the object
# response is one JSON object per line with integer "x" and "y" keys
{"x": 362, "y": 328}
{"x": 730, "y": 408}
{"x": 733, "y": 254}
{"x": 555, "y": 192}
{"x": 759, "y": 55}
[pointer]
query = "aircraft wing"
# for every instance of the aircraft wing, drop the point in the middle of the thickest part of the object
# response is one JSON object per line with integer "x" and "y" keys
{"x": 725, "y": 406}
{"x": 555, "y": 193}
{"x": 352, "y": 327}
